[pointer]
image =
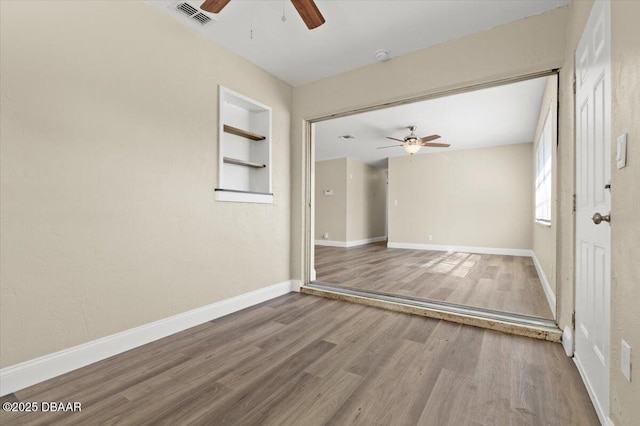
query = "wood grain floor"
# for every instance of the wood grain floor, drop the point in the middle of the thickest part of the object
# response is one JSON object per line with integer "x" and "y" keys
{"x": 306, "y": 360}
{"x": 500, "y": 283}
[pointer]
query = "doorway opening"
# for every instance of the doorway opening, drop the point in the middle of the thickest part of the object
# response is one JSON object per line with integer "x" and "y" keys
{"x": 447, "y": 202}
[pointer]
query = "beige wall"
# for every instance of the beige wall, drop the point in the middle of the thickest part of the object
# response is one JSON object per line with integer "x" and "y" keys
{"x": 529, "y": 45}
{"x": 366, "y": 201}
{"x": 356, "y": 211}
{"x": 331, "y": 211}
{"x": 474, "y": 198}
{"x": 108, "y": 162}
{"x": 544, "y": 236}
{"x": 625, "y": 200}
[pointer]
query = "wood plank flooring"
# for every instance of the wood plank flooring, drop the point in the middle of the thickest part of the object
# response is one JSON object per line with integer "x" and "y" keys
{"x": 500, "y": 283}
{"x": 306, "y": 360}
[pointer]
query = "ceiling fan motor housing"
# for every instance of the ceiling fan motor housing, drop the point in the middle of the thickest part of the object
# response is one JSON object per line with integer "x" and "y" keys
{"x": 411, "y": 139}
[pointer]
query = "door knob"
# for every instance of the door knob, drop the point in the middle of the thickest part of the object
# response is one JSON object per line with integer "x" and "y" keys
{"x": 597, "y": 218}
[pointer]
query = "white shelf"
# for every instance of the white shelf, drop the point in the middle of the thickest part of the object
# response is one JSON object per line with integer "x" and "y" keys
{"x": 244, "y": 149}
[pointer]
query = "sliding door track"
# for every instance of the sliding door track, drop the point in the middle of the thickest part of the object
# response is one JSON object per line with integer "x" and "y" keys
{"x": 523, "y": 325}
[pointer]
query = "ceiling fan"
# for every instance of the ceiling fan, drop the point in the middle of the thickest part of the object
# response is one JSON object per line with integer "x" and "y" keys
{"x": 307, "y": 10}
{"x": 413, "y": 143}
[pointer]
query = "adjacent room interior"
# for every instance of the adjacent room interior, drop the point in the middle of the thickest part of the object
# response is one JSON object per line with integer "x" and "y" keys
{"x": 467, "y": 219}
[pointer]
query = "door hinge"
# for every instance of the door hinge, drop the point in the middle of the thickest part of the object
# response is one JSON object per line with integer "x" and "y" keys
{"x": 573, "y": 82}
{"x": 573, "y": 320}
{"x": 574, "y": 202}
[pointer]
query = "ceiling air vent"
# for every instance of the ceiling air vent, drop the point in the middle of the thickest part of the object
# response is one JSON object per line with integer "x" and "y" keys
{"x": 202, "y": 18}
{"x": 187, "y": 9}
{"x": 193, "y": 13}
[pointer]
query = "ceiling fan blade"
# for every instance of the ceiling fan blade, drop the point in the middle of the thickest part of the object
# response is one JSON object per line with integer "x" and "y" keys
{"x": 436, "y": 145}
{"x": 309, "y": 13}
{"x": 394, "y": 139}
{"x": 390, "y": 146}
{"x": 430, "y": 138}
{"x": 214, "y": 6}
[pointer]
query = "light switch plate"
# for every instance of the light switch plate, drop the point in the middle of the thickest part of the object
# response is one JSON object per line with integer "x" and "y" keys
{"x": 625, "y": 360}
{"x": 621, "y": 153}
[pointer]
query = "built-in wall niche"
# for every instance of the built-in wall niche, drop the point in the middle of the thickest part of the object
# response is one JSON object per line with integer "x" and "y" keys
{"x": 244, "y": 149}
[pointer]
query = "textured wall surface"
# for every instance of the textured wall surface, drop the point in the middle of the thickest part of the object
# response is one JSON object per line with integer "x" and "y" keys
{"x": 476, "y": 197}
{"x": 109, "y": 160}
{"x": 356, "y": 210}
{"x": 331, "y": 211}
{"x": 625, "y": 208}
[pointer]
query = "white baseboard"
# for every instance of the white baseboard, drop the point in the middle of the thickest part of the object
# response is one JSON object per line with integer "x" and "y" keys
{"x": 567, "y": 341}
{"x": 37, "y": 370}
{"x": 355, "y": 243}
{"x": 551, "y": 297}
{"x": 366, "y": 241}
{"x": 295, "y": 285}
{"x": 463, "y": 249}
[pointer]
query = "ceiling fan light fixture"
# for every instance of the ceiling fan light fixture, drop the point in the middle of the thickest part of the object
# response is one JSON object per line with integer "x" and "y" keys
{"x": 411, "y": 149}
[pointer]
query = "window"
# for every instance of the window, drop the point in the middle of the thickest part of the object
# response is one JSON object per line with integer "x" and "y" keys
{"x": 543, "y": 173}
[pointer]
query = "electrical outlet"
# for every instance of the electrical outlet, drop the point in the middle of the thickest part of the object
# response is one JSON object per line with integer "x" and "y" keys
{"x": 430, "y": 237}
{"x": 395, "y": 203}
{"x": 325, "y": 236}
{"x": 625, "y": 360}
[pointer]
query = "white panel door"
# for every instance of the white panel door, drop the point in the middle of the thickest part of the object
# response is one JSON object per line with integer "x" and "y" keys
{"x": 593, "y": 172}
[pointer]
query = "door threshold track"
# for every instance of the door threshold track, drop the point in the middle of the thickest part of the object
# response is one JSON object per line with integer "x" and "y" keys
{"x": 522, "y": 325}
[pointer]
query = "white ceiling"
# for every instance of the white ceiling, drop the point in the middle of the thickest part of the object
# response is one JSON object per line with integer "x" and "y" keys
{"x": 501, "y": 115}
{"x": 353, "y": 32}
